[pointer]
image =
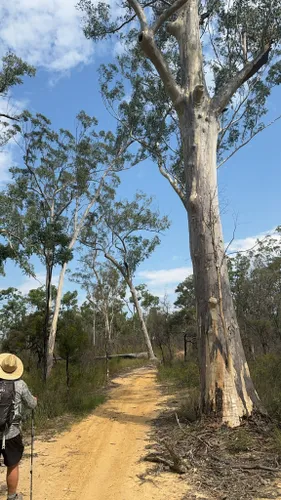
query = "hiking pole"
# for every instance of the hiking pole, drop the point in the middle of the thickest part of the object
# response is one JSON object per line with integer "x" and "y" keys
{"x": 31, "y": 454}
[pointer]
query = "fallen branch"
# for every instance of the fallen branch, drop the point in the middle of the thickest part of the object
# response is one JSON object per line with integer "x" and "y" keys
{"x": 179, "y": 465}
{"x": 245, "y": 466}
{"x": 133, "y": 355}
{"x": 152, "y": 457}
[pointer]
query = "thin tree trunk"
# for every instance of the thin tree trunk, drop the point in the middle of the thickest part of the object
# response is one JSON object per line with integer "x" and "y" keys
{"x": 151, "y": 354}
{"x": 226, "y": 386}
{"x": 46, "y": 327}
{"x": 129, "y": 282}
{"x": 185, "y": 346}
{"x": 54, "y": 324}
{"x": 94, "y": 330}
{"x": 107, "y": 343}
{"x": 77, "y": 230}
{"x": 67, "y": 371}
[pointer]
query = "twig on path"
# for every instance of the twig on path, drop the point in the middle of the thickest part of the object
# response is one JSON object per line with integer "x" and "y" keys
{"x": 245, "y": 466}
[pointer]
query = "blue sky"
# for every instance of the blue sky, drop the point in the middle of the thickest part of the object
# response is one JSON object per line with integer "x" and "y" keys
{"x": 48, "y": 35}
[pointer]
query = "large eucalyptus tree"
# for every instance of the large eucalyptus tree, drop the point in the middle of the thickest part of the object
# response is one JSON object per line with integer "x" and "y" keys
{"x": 198, "y": 73}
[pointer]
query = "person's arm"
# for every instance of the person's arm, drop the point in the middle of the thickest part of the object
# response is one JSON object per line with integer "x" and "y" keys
{"x": 27, "y": 397}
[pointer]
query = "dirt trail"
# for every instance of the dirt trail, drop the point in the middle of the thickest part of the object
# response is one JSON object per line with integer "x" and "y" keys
{"x": 99, "y": 458}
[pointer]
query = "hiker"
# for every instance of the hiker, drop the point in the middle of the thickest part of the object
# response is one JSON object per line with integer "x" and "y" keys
{"x": 13, "y": 392}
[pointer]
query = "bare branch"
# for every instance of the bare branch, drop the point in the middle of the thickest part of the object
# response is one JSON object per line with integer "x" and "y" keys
{"x": 3, "y": 115}
{"x": 230, "y": 242}
{"x": 175, "y": 185}
{"x": 220, "y": 100}
{"x": 129, "y": 20}
{"x": 248, "y": 140}
{"x": 162, "y": 169}
{"x": 110, "y": 257}
{"x": 167, "y": 14}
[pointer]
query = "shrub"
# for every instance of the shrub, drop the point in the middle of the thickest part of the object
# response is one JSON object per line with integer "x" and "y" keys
{"x": 180, "y": 373}
{"x": 84, "y": 394}
{"x": 266, "y": 374}
{"x": 240, "y": 440}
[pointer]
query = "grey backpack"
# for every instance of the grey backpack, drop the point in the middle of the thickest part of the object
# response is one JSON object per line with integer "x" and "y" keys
{"x": 7, "y": 403}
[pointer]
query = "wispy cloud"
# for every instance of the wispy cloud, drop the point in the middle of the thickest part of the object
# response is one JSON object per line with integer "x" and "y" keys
{"x": 10, "y": 107}
{"x": 31, "y": 283}
{"x": 244, "y": 244}
{"x": 164, "y": 277}
{"x": 46, "y": 33}
{"x": 6, "y": 160}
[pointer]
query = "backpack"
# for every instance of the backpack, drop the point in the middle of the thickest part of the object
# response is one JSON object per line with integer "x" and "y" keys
{"x": 7, "y": 403}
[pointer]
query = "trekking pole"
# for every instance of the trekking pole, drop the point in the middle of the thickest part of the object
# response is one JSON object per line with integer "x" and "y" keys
{"x": 31, "y": 454}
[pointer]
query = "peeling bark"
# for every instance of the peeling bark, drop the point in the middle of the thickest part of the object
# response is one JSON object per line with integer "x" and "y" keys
{"x": 227, "y": 390}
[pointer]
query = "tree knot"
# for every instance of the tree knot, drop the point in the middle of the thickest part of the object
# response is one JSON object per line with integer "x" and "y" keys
{"x": 198, "y": 94}
{"x": 213, "y": 302}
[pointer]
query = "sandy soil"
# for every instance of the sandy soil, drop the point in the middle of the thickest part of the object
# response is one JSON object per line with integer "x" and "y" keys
{"x": 100, "y": 457}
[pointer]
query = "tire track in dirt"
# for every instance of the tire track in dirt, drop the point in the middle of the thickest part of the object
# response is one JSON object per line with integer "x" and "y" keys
{"x": 100, "y": 457}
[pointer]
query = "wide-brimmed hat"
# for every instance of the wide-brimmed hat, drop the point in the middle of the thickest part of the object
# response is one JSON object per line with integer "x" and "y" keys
{"x": 11, "y": 367}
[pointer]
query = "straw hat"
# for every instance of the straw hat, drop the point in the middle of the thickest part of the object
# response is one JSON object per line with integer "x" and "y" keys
{"x": 11, "y": 367}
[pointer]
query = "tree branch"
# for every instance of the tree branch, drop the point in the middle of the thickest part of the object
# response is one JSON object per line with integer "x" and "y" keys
{"x": 220, "y": 101}
{"x": 148, "y": 45}
{"x": 167, "y": 14}
{"x": 3, "y": 115}
{"x": 140, "y": 13}
{"x": 110, "y": 257}
{"x": 248, "y": 140}
{"x": 175, "y": 185}
{"x": 173, "y": 182}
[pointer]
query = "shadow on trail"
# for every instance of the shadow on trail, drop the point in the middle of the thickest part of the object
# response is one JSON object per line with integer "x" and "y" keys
{"x": 123, "y": 417}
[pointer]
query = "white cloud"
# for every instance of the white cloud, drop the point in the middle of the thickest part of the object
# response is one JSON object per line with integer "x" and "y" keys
{"x": 31, "y": 283}
{"x": 10, "y": 107}
{"x": 165, "y": 277}
{"x": 244, "y": 244}
{"x": 6, "y": 160}
{"x": 46, "y": 33}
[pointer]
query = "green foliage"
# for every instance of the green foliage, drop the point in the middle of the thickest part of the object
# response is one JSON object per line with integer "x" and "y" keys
{"x": 55, "y": 399}
{"x": 186, "y": 294}
{"x": 6, "y": 252}
{"x": 13, "y": 309}
{"x": 124, "y": 233}
{"x": 13, "y": 69}
{"x": 72, "y": 339}
{"x": 70, "y": 300}
{"x": 266, "y": 374}
{"x": 12, "y": 72}
{"x": 240, "y": 441}
{"x": 231, "y": 36}
{"x": 256, "y": 286}
{"x": 42, "y": 207}
{"x": 276, "y": 440}
{"x": 181, "y": 374}
{"x": 84, "y": 394}
{"x": 147, "y": 300}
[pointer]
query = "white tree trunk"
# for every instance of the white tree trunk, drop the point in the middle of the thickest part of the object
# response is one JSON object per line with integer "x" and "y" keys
{"x": 54, "y": 324}
{"x": 151, "y": 354}
{"x": 227, "y": 389}
{"x": 77, "y": 229}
